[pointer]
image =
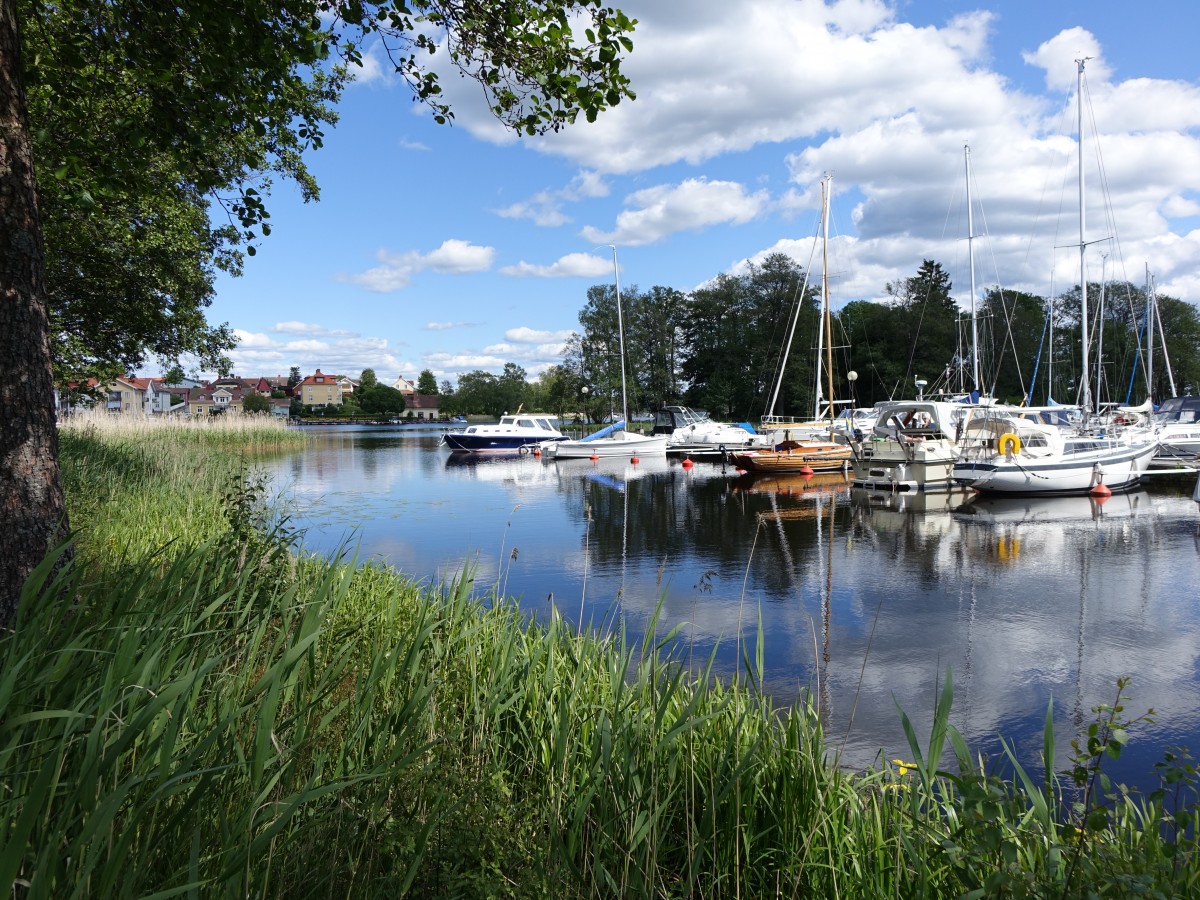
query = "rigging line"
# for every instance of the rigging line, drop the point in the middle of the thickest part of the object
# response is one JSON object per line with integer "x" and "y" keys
{"x": 1106, "y": 193}
{"x": 798, "y": 304}
{"x": 1153, "y": 302}
{"x": 1008, "y": 315}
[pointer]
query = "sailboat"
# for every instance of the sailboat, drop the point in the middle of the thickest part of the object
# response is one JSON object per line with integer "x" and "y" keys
{"x": 823, "y": 422}
{"x": 798, "y": 446}
{"x": 914, "y": 443}
{"x": 1012, "y": 452}
{"x": 615, "y": 440}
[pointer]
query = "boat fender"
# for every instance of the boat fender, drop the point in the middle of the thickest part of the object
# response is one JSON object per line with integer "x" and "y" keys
{"x": 1008, "y": 441}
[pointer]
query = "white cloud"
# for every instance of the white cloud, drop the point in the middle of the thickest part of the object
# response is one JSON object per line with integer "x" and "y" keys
{"x": 545, "y": 207}
{"x": 337, "y": 352}
{"x": 741, "y": 108}
{"x": 453, "y": 257}
{"x": 310, "y": 329}
{"x": 542, "y": 209}
{"x": 456, "y": 256}
{"x": 573, "y": 265}
{"x": 1058, "y": 58}
{"x": 695, "y": 204}
{"x": 524, "y": 335}
{"x": 372, "y": 70}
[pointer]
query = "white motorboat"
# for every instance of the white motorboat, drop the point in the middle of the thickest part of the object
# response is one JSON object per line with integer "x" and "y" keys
{"x": 512, "y": 434}
{"x": 912, "y": 447}
{"x": 693, "y": 433}
{"x": 914, "y": 443}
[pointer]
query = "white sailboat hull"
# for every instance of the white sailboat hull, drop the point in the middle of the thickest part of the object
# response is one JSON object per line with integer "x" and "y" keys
{"x": 620, "y": 444}
{"x": 1118, "y": 468}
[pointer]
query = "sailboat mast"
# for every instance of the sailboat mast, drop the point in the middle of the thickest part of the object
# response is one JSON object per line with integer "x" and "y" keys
{"x": 1085, "y": 399}
{"x": 818, "y": 391}
{"x": 1149, "y": 337}
{"x": 1100, "y": 326}
{"x": 1162, "y": 338}
{"x": 828, "y": 189}
{"x": 971, "y": 257}
{"x": 621, "y": 338}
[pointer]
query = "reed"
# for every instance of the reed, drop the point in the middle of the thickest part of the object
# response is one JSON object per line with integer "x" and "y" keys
{"x": 217, "y": 713}
{"x": 233, "y": 432}
{"x": 135, "y": 483}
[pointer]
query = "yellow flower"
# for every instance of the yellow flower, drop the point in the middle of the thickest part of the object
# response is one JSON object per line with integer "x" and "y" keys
{"x": 903, "y": 767}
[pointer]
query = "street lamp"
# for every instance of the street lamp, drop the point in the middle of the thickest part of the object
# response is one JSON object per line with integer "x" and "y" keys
{"x": 584, "y": 391}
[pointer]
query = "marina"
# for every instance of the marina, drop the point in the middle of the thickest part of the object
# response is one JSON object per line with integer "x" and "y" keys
{"x": 864, "y": 599}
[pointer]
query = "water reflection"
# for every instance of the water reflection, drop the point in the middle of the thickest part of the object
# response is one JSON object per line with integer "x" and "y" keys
{"x": 864, "y": 599}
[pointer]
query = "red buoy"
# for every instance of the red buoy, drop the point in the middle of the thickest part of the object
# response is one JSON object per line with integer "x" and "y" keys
{"x": 1101, "y": 490}
{"x": 634, "y": 459}
{"x": 594, "y": 457}
{"x": 687, "y": 463}
{"x": 806, "y": 471}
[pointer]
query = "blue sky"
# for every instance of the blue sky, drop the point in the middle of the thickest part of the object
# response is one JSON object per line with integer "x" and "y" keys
{"x": 462, "y": 248}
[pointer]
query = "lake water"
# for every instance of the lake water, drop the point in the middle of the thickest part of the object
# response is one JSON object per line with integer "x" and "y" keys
{"x": 865, "y": 600}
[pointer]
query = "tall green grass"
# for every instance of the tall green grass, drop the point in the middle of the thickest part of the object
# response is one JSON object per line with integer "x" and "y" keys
{"x": 211, "y": 712}
{"x": 136, "y": 483}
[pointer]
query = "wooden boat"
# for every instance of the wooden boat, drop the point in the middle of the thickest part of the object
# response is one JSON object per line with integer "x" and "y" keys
{"x": 795, "y": 456}
{"x": 790, "y": 484}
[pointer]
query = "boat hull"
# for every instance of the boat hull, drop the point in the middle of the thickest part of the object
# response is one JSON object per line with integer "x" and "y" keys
{"x": 1117, "y": 470}
{"x": 494, "y": 443}
{"x": 616, "y": 446}
{"x": 814, "y": 457}
{"x": 887, "y": 465}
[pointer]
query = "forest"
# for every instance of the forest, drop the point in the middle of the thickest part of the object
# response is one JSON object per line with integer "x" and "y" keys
{"x": 721, "y": 347}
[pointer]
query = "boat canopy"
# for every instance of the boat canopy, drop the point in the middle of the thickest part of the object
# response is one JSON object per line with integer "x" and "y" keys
{"x": 603, "y": 432}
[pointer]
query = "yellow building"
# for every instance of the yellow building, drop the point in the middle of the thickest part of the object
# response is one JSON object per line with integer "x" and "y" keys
{"x": 321, "y": 390}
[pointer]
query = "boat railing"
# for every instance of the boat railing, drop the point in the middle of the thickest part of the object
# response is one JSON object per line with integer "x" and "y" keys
{"x": 829, "y": 415}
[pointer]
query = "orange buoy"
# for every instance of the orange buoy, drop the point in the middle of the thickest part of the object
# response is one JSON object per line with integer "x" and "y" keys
{"x": 1101, "y": 490}
{"x": 806, "y": 471}
{"x": 634, "y": 460}
{"x": 594, "y": 457}
{"x": 537, "y": 452}
{"x": 687, "y": 463}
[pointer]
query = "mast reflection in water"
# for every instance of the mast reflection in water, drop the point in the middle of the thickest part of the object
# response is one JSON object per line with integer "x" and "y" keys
{"x": 865, "y": 600}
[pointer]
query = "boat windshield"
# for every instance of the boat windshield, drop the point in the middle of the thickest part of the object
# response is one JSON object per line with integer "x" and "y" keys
{"x": 1184, "y": 410}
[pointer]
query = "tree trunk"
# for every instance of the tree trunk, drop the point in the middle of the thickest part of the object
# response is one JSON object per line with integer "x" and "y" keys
{"x": 32, "y": 509}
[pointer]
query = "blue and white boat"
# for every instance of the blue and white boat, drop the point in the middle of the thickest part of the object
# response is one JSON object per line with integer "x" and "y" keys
{"x": 1177, "y": 426}
{"x": 609, "y": 442}
{"x": 520, "y": 432}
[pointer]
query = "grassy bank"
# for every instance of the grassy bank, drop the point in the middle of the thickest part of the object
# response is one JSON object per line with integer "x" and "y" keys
{"x": 203, "y": 711}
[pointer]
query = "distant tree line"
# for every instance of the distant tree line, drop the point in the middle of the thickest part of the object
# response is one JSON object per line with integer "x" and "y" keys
{"x": 721, "y": 346}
